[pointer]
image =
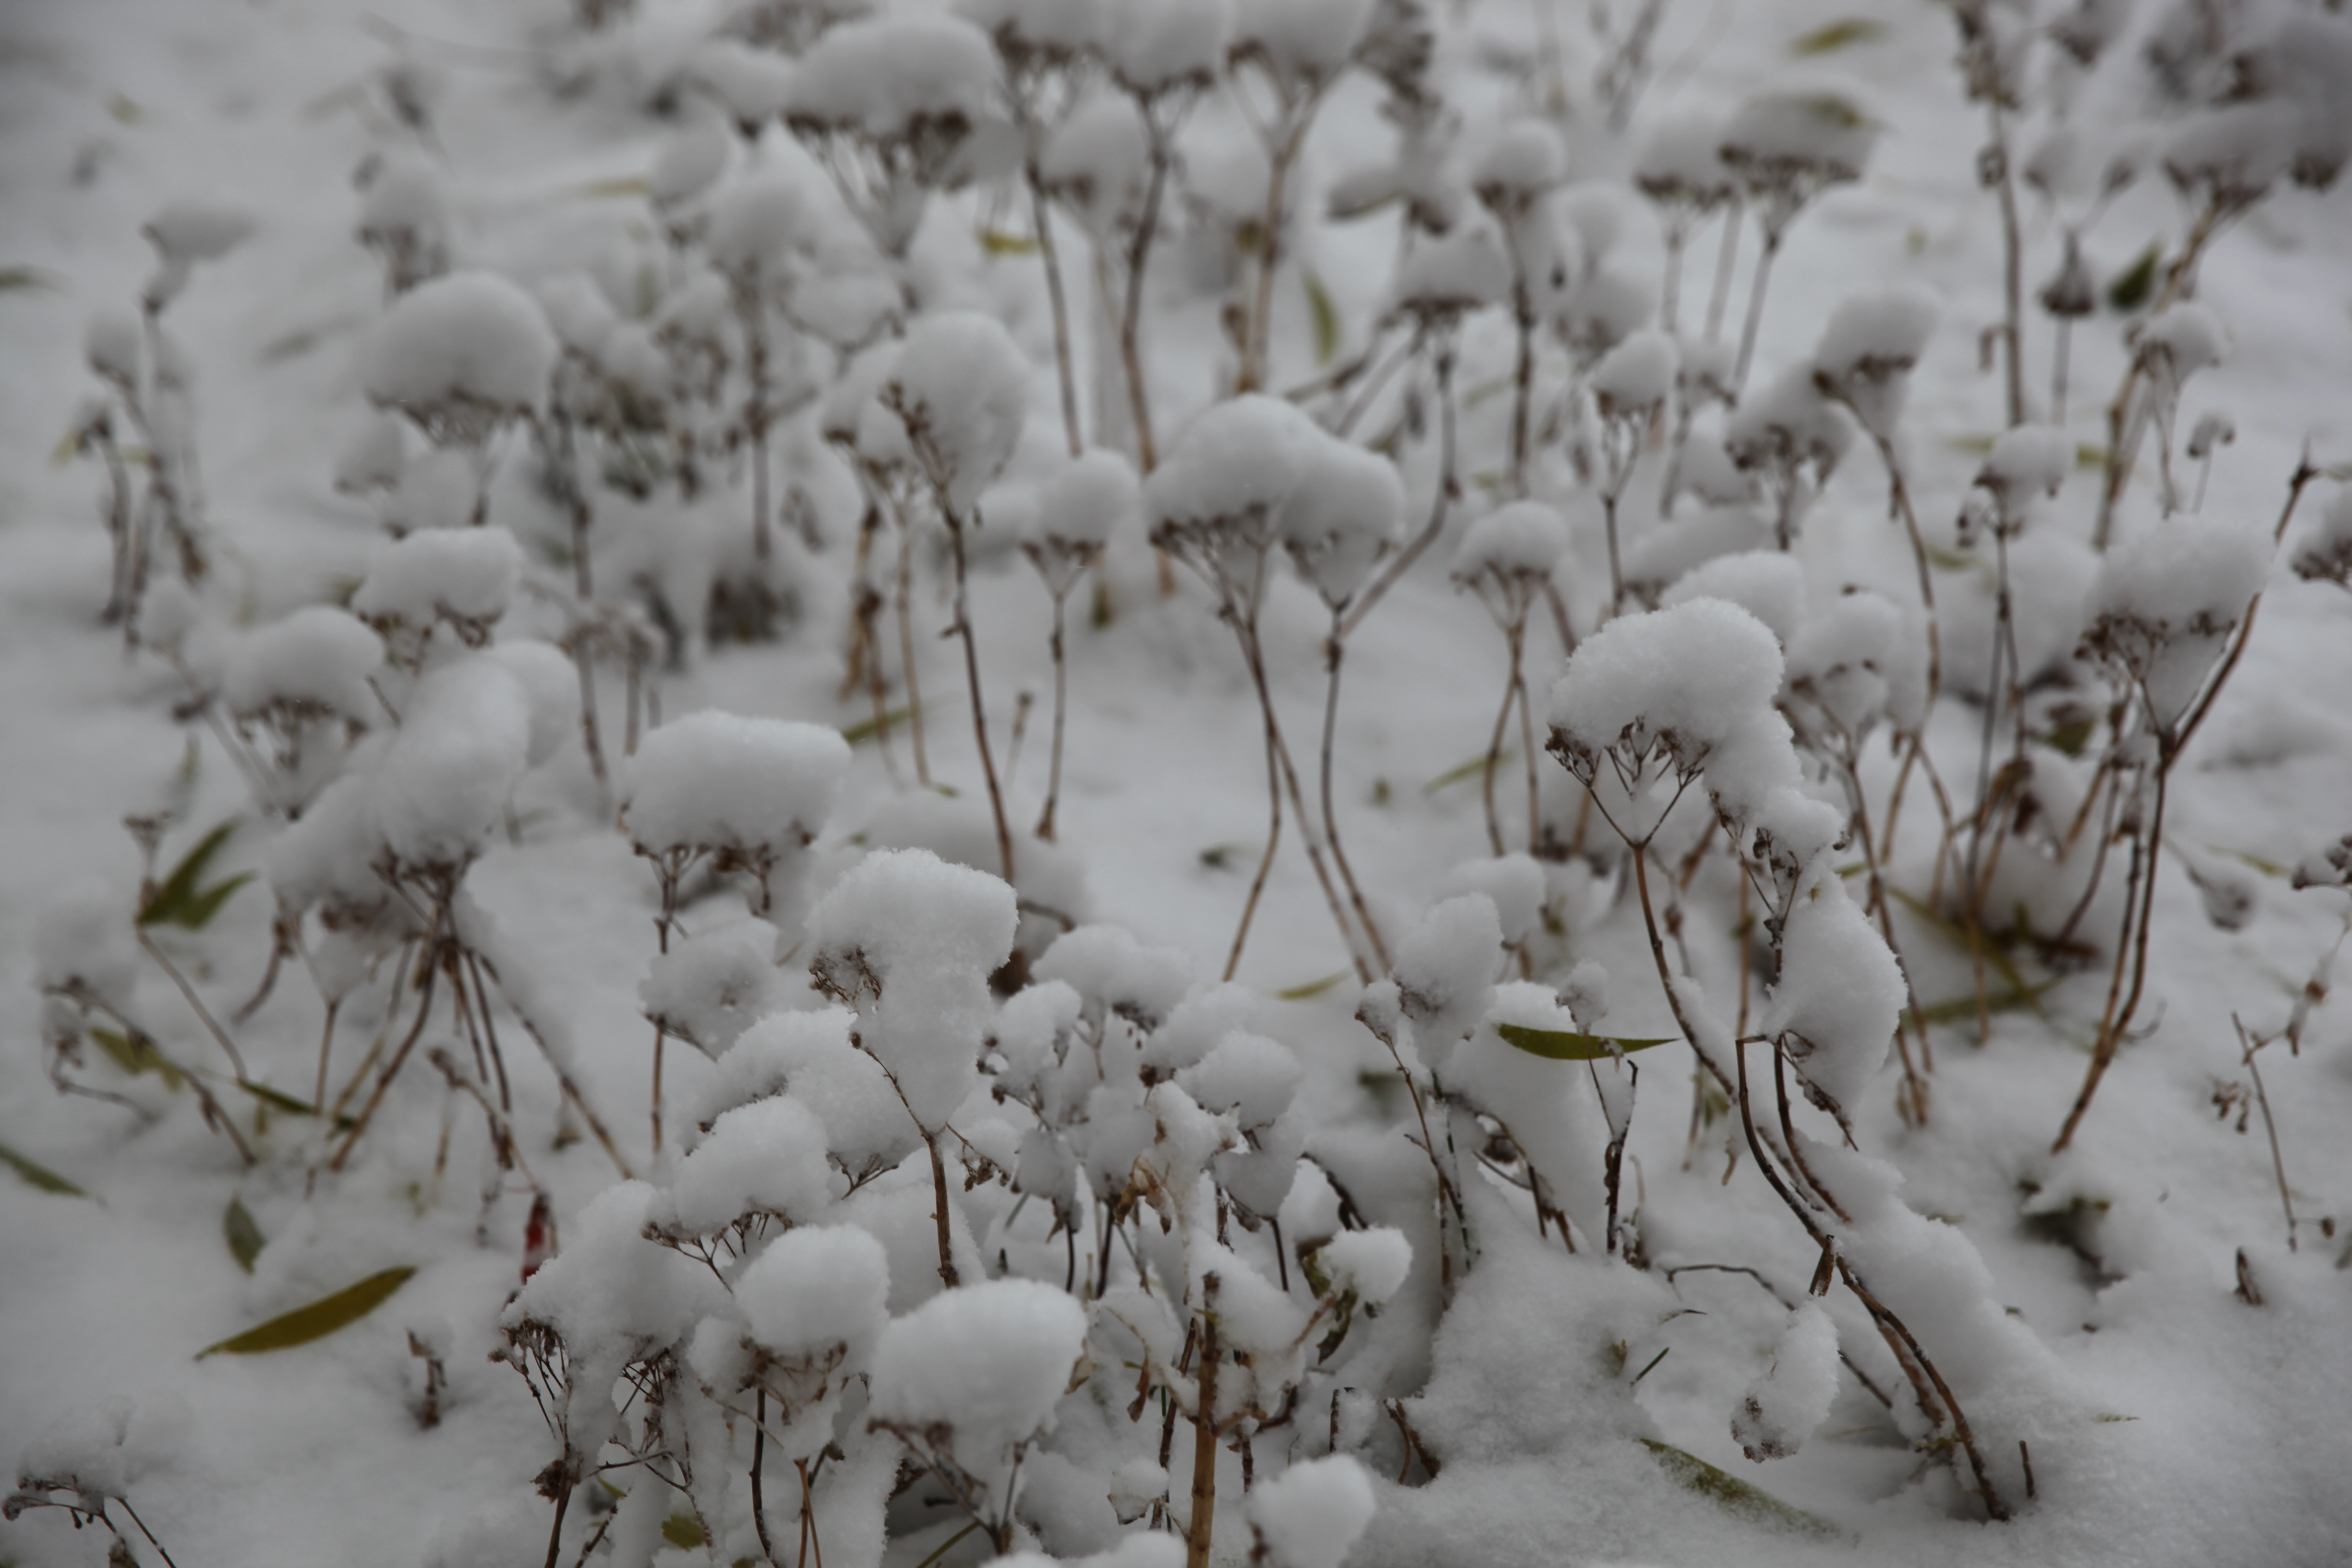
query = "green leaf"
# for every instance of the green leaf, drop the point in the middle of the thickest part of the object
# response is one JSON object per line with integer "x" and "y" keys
{"x": 995, "y": 242}
{"x": 867, "y": 728}
{"x": 2136, "y": 284}
{"x": 14, "y": 278}
{"x": 316, "y": 1320}
{"x": 135, "y": 1054}
{"x": 245, "y": 1239}
{"x": 1325, "y": 317}
{"x": 38, "y": 1174}
{"x": 1313, "y": 987}
{"x": 181, "y": 900}
{"x": 278, "y": 1099}
{"x": 683, "y": 1529}
{"x": 620, "y": 185}
{"x": 1470, "y": 769}
{"x": 1831, "y": 37}
{"x": 2022, "y": 992}
{"x": 1566, "y": 1046}
{"x": 1733, "y": 1496}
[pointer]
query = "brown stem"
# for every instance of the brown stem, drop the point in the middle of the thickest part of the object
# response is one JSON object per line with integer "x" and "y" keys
{"x": 1448, "y": 489}
{"x": 2117, "y": 1022}
{"x": 1204, "y": 1436}
{"x": 972, "y": 675}
{"x": 1041, "y": 216}
{"x": 940, "y": 1209}
{"x": 1061, "y": 707}
{"x": 1334, "y": 651}
{"x": 904, "y": 605}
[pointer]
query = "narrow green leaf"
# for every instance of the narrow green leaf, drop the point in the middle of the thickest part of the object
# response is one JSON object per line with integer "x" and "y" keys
{"x": 867, "y": 728}
{"x": 176, "y": 898}
{"x": 2136, "y": 284}
{"x": 1325, "y": 317}
{"x": 245, "y": 1239}
{"x": 200, "y": 909}
{"x": 278, "y": 1099}
{"x": 1313, "y": 987}
{"x": 1733, "y": 1496}
{"x": 135, "y": 1055}
{"x": 38, "y": 1174}
{"x": 1831, "y": 37}
{"x": 1470, "y": 769}
{"x": 622, "y": 186}
{"x": 1567, "y": 1045}
{"x": 1960, "y": 1009}
{"x": 316, "y": 1320}
{"x": 683, "y": 1529}
{"x": 995, "y": 242}
{"x": 14, "y": 278}
{"x": 1998, "y": 961}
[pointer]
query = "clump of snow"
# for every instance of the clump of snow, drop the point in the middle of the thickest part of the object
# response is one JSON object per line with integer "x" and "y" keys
{"x": 911, "y": 939}
{"x": 1446, "y": 275}
{"x": 550, "y": 685}
{"x": 991, "y": 1361}
{"x": 2026, "y": 461}
{"x": 753, "y": 84}
{"x": 440, "y": 791}
{"x": 1681, "y": 161}
{"x": 1861, "y": 659}
{"x": 764, "y": 1158}
{"x": 1681, "y": 680}
{"x": 1251, "y": 1076}
{"x": 1157, "y": 46}
{"x": 722, "y": 782}
{"x": 1230, "y": 475}
{"x": 317, "y": 659}
{"x": 888, "y": 77}
{"x": 2164, "y": 603}
{"x": 816, "y": 1287}
{"x": 373, "y": 457}
{"x": 961, "y": 388}
{"x": 1513, "y": 883}
{"x": 1115, "y": 973}
{"x": 1524, "y": 160}
{"x": 1087, "y": 498}
{"x": 1303, "y": 43}
{"x": 111, "y": 344}
{"x": 1373, "y": 1263}
{"x": 1868, "y": 350}
{"x": 1790, "y": 1400}
{"x": 1840, "y": 994}
{"x": 1634, "y": 379}
{"x": 1510, "y": 553}
{"x": 1767, "y": 583}
{"x": 709, "y": 988}
{"x": 2178, "y": 342}
{"x": 1311, "y": 1514}
{"x": 469, "y": 338}
{"x": 610, "y": 1288}
{"x": 463, "y": 576}
{"x": 1779, "y": 138}
{"x": 1444, "y": 971}
{"x": 1098, "y": 162}
{"x": 1340, "y": 516}
{"x": 757, "y": 224}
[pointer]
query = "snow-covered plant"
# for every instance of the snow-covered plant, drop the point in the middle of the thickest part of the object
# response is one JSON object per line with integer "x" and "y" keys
{"x": 745, "y": 796}
{"x": 1631, "y": 388}
{"x": 1506, "y": 558}
{"x": 889, "y": 104}
{"x": 1787, "y": 148}
{"x": 1075, "y": 515}
{"x": 959, "y": 391}
{"x": 1244, "y": 481}
{"x": 1792, "y": 437}
{"x": 149, "y": 385}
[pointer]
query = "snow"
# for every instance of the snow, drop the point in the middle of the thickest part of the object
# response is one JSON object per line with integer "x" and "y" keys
{"x": 709, "y": 988}
{"x": 962, "y": 389}
{"x": 888, "y": 76}
{"x": 466, "y": 576}
{"x": 1635, "y": 378}
{"x": 319, "y": 656}
{"x": 1342, "y": 515}
{"x": 719, "y": 781}
{"x": 1521, "y": 541}
{"x": 764, "y": 1158}
{"x": 1310, "y": 1515}
{"x": 1306, "y": 42}
{"x": 472, "y": 336}
{"x": 991, "y": 1361}
{"x": 629, "y": 179}
{"x": 1840, "y": 992}
{"x": 1371, "y": 1263}
{"x": 1786, "y": 1405}
{"x": 1686, "y": 677}
{"x": 1251, "y": 1076}
{"x": 1158, "y": 46}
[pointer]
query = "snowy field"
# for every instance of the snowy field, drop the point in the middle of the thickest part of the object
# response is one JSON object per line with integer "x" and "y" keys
{"x": 1841, "y": 1070}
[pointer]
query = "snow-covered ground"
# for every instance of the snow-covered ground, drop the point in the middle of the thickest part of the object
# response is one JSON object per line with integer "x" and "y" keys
{"x": 2132, "y": 1307}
